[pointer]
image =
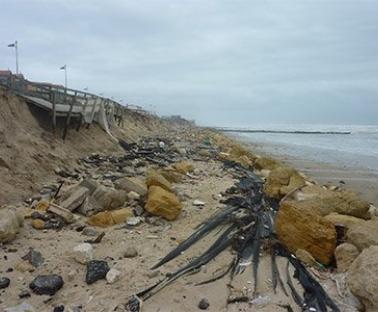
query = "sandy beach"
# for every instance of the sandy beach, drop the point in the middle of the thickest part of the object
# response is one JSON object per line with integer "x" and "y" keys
{"x": 362, "y": 180}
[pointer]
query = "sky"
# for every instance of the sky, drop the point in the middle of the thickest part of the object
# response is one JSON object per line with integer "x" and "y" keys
{"x": 219, "y": 62}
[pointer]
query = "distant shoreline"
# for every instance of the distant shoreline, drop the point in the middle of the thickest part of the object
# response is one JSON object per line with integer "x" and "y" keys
{"x": 280, "y": 131}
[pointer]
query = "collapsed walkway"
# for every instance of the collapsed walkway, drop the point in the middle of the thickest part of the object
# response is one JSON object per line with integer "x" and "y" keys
{"x": 69, "y": 103}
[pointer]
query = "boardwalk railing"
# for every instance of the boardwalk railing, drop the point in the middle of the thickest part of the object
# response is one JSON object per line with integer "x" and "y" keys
{"x": 70, "y": 103}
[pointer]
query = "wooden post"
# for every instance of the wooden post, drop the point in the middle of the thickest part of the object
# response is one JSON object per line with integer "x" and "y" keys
{"x": 93, "y": 111}
{"x": 54, "y": 111}
{"x": 83, "y": 112}
{"x": 69, "y": 115}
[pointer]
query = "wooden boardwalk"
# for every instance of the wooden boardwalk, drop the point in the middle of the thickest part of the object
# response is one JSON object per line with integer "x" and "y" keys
{"x": 70, "y": 103}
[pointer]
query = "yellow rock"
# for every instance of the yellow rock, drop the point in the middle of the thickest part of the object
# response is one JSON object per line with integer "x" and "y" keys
{"x": 305, "y": 257}
{"x": 245, "y": 161}
{"x": 163, "y": 203}
{"x": 347, "y": 221}
{"x": 121, "y": 215}
{"x": 171, "y": 175}
{"x": 282, "y": 181}
{"x": 300, "y": 229}
{"x": 183, "y": 167}
{"x": 154, "y": 178}
{"x": 266, "y": 163}
{"x": 38, "y": 224}
{"x": 42, "y": 205}
{"x": 109, "y": 218}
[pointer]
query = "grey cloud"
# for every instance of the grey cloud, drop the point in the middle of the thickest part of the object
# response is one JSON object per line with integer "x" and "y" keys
{"x": 217, "y": 61}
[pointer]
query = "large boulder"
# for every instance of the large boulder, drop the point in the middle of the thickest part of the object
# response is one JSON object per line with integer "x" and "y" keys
{"x": 131, "y": 184}
{"x": 104, "y": 198}
{"x": 163, "y": 203}
{"x": 345, "y": 254}
{"x": 10, "y": 224}
{"x": 154, "y": 178}
{"x": 325, "y": 201}
{"x": 299, "y": 229}
{"x": 344, "y": 220}
{"x": 281, "y": 181}
{"x": 364, "y": 235}
{"x": 362, "y": 278}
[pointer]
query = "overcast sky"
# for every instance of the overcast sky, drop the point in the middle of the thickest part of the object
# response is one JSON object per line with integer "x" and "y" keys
{"x": 216, "y": 61}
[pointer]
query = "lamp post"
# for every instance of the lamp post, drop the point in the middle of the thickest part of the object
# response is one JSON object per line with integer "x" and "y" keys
{"x": 65, "y": 75}
{"x": 15, "y": 46}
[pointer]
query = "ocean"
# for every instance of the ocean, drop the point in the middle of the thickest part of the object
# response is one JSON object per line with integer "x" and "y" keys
{"x": 356, "y": 150}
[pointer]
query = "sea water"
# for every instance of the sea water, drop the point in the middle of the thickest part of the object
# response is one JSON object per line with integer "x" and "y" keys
{"x": 356, "y": 150}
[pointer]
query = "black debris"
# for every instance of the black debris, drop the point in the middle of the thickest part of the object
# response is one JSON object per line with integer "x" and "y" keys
{"x": 46, "y": 284}
{"x": 96, "y": 270}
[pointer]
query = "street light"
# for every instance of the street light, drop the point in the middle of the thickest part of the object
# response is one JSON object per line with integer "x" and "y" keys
{"x": 15, "y": 46}
{"x": 65, "y": 75}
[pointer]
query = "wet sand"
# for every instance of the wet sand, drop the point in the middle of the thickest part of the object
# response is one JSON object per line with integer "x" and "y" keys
{"x": 362, "y": 180}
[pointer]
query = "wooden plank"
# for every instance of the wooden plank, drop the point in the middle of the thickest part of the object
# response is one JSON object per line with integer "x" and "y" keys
{"x": 82, "y": 115}
{"x": 68, "y": 120}
{"x": 54, "y": 111}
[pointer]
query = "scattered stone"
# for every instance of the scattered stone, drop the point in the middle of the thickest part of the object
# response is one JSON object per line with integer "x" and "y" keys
{"x": 183, "y": 167}
{"x": 77, "y": 197}
{"x": 245, "y": 161}
{"x": 90, "y": 232}
{"x": 24, "y": 294}
{"x": 10, "y": 224}
{"x": 298, "y": 229}
{"x": 153, "y": 273}
{"x": 133, "y": 195}
{"x": 64, "y": 213}
{"x": 133, "y": 221}
{"x": 113, "y": 276}
{"x": 109, "y": 218}
{"x": 38, "y": 224}
{"x": 105, "y": 198}
{"x": 97, "y": 240}
{"x": 42, "y": 205}
{"x": 90, "y": 184}
{"x": 83, "y": 253}
{"x": 34, "y": 257}
{"x": 96, "y": 270}
{"x": 345, "y": 254}
{"x": 282, "y": 181}
{"x": 197, "y": 202}
{"x": 130, "y": 252}
{"x": 203, "y": 304}
{"x": 156, "y": 179}
{"x": 24, "y": 266}
{"x": 59, "y": 308}
{"x": 4, "y": 282}
{"x": 364, "y": 235}
{"x": 46, "y": 284}
{"x": 266, "y": 163}
{"x": 131, "y": 184}
{"x": 362, "y": 278}
{"x": 171, "y": 175}
{"x": 163, "y": 203}
{"x": 138, "y": 210}
{"x": 23, "y": 307}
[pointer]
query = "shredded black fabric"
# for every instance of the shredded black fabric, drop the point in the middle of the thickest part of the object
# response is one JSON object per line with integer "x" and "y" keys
{"x": 245, "y": 225}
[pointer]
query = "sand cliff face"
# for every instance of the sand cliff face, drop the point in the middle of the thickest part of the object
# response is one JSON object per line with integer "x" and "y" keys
{"x": 29, "y": 151}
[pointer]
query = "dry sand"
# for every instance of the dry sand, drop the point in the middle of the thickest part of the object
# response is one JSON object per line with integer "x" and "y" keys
{"x": 31, "y": 153}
